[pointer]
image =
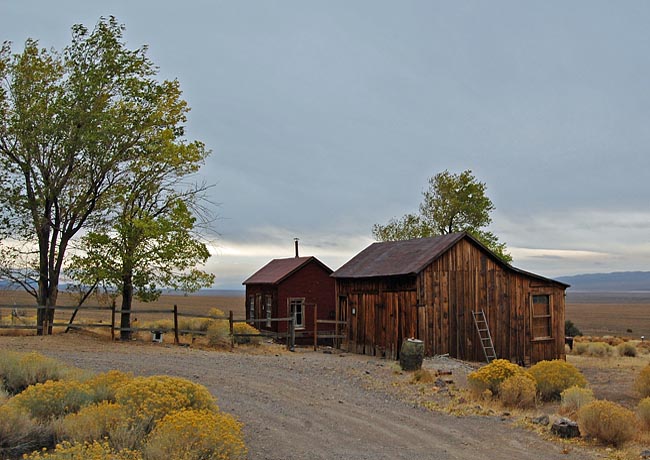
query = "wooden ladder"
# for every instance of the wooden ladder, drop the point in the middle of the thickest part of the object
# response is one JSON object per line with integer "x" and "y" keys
{"x": 484, "y": 334}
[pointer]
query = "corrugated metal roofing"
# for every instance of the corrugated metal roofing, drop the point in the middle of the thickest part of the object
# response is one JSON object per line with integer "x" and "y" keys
{"x": 393, "y": 258}
{"x": 279, "y": 269}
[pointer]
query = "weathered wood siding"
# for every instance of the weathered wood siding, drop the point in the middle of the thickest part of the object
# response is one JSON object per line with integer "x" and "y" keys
{"x": 436, "y": 304}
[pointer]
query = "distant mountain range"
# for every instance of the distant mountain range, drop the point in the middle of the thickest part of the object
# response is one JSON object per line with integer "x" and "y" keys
{"x": 609, "y": 282}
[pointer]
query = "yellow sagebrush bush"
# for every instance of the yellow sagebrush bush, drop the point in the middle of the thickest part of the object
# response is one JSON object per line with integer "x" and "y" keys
{"x": 642, "y": 382}
{"x": 151, "y": 398}
{"x": 94, "y": 422}
{"x": 53, "y": 398}
{"x": 607, "y": 421}
{"x": 96, "y": 450}
{"x": 105, "y": 385}
{"x": 218, "y": 333}
{"x": 555, "y": 376}
{"x": 580, "y": 348}
{"x": 626, "y": 349}
{"x": 573, "y": 398}
{"x": 490, "y": 376}
{"x": 643, "y": 412}
{"x": 519, "y": 390}
{"x": 196, "y": 435}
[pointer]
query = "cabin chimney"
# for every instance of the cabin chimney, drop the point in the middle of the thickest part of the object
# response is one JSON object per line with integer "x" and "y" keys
{"x": 295, "y": 241}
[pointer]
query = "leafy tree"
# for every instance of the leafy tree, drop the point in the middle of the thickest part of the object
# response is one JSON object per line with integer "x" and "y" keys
{"x": 69, "y": 123}
{"x": 151, "y": 243}
{"x": 452, "y": 203}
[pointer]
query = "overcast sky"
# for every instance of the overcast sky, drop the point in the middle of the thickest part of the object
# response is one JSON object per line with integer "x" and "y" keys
{"x": 325, "y": 117}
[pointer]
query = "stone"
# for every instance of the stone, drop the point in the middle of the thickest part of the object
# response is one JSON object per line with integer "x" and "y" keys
{"x": 645, "y": 454}
{"x": 541, "y": 420}
{"x": 565, "y": 428}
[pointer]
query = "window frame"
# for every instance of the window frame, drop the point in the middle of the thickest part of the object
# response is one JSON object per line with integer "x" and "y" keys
{"x": 251, "y": 306}
{"x": 291, "y": 301}
{"x": 268, "y": 304}
{"x": 548, "y": 317}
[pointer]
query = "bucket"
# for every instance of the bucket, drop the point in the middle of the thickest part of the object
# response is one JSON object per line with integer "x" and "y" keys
{"x": 411, "y": 354}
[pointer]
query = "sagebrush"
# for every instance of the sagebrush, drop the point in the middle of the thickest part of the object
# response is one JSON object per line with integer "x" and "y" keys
{"x": 555, "y": 376}
{"x": 607, "y": 421}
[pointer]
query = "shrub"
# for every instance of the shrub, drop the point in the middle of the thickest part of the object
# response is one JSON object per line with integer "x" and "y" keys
{"x": 599, "y": 349}
{"x": 607, "y": 421}
{"x": 642, "y": 382}
{"x": 148, "y": 399}
{"x": 93, "y": 422}
{"x": 218, "y": 333}
{"x": 105, "y": 385}
{"x": 20, "y": 370}
{"x": 580, "y": 348}
{"x": 519, "y": 391}
{"x": 243, "y": 328}
{"x": 555, "y": 376}
{"x": 53, "y": 398}
{"x": 574, "y": 398}
{"x": 19, "y": 433}
{"x": 3, "y": 395}
{"x": 643, "y": 411}
{"x": 570, "y": 329}
{"x": 85, "y": 451}
{"x": 490, "y": 376}
{"x": 627, "y": 349}
{"x": 196, "y": 435}
{"x": 423, "y": 376}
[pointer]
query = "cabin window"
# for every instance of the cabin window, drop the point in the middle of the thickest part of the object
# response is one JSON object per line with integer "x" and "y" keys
{"x": 297, "y": 305}
{"x": 251, "y": 307}
{"x": 542, "y": 317}
{"x": 269, "y": 308}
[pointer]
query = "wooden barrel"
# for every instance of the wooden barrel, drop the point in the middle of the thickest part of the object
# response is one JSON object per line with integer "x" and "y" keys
{"x": 411, "y": 354}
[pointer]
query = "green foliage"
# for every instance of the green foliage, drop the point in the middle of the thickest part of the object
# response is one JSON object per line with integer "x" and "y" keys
{"x": 570, "y": 329}
{"x": 20, "y": 370}
{"x": 196, "y": 435}
{"x": 627, "y": 349}
{"x": 452, "y": 203}
{"x": 642, "y": 382}
{"x": 74, "y": 125}
{"x": 518, "y": 391}
{"x": 490, "y": 376}
{"x": 607, "y": 421}
{"x": 555, "y": 376}
{"x": 573, "y": 398}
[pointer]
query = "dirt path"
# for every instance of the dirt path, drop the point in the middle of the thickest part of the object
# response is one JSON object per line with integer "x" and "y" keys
{"x": 309, "y": 405}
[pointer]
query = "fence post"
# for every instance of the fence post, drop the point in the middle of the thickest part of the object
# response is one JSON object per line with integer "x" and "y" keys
{"x": 113, "y": 320}
{"x": 315, "y": 326}
{"x": 232, "y": 330}
{"x": 176, "y": 341}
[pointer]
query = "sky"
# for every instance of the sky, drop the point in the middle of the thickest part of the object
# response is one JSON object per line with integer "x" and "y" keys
{"x": 326, "y": 117}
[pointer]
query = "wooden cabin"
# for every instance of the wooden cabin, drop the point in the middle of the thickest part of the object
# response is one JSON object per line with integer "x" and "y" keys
{"x": 427, "y": 289}
{"x": 286, "y": 285}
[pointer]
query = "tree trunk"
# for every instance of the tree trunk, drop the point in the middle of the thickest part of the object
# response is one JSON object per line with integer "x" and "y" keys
{"x": 127, "y": 300}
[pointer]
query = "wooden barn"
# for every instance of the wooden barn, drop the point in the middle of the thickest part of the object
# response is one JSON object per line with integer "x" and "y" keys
{"x": 427, "y": 289}
{"x": 285, "y": 285}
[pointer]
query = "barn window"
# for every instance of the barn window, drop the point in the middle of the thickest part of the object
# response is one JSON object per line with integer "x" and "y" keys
{"x": 251, "y": 307}
{"x": 542, "y": 317}
{"x": 297, "y": 305}
{"x": 269, "y": 305}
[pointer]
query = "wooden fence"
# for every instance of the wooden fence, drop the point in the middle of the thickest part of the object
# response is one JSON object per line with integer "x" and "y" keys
{"x": 16, "y": 311}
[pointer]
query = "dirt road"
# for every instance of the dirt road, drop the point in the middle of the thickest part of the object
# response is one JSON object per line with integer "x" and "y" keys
{"x": 309, "y": 405}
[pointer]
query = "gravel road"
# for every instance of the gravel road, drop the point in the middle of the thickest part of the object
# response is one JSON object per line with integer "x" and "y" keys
{"x": 309, "y": 405}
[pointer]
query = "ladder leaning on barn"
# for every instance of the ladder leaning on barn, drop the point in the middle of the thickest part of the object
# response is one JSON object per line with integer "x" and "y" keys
{"x": 484, "y": 334}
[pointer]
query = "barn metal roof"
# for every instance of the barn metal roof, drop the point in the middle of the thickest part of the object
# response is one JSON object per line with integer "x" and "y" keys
{"x": 409, "y": 257}
{"x": 278, "y": 270}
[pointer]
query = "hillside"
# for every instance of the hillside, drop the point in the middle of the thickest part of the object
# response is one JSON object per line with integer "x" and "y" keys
{"x": 609, "y": 282}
